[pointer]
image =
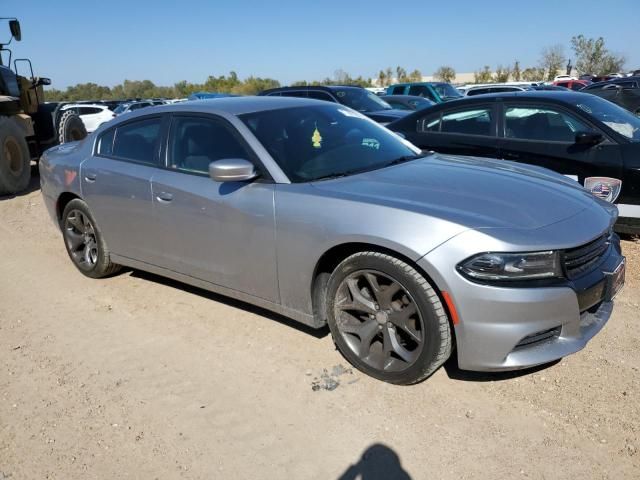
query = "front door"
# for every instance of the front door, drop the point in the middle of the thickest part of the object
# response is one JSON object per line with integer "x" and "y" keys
{"x": 544, "y": 135}
{"x": 223, "y": 233}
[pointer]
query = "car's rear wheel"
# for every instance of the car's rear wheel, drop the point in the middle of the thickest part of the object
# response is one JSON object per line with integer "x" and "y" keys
{"x": 84, "y": 241}
{"x": 386, "y": 319}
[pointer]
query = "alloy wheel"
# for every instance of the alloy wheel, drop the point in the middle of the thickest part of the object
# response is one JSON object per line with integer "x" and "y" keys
{"x": 379, "y": 320}
{"x": 80, "y": 236}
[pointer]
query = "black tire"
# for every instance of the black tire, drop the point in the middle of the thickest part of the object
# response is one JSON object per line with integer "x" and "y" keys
{"x": 15, "y": 159}
{"x": 84, "y": 241}
{"x": 415, "y": 317}
{"x": 70, "y": 127}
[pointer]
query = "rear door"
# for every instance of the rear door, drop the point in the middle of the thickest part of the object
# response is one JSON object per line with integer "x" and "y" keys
{"x": 544, "y": 135}
{"x": 470, "y": 130}
{"x": 116, "y": 184}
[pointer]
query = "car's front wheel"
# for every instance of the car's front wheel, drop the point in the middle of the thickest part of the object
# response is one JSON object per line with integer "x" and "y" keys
{"x": 386, "y": 319}
{"x": 84, "y": 241}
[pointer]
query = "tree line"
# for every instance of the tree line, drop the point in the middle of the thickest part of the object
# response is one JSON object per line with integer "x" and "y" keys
{"x": 591, "y": 57}
{"x": 147, "y": 89}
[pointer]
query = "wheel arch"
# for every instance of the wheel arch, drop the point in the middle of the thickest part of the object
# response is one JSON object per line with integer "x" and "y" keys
{"x": 63, "y": 200}
{"x": 330, "y": 259}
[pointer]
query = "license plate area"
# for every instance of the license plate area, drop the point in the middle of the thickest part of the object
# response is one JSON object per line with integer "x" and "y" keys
{"x": 615, "y": 281}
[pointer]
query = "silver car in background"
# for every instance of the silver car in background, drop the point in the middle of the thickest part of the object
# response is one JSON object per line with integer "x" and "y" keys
{"x": 313, "y": 211}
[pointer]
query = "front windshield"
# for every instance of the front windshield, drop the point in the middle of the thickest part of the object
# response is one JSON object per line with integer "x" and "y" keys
{"x": 446, "y": 90}
{"x": 616, "y": 118}
{"x": 361, "y": 100}
{"x": 314, "y": 142}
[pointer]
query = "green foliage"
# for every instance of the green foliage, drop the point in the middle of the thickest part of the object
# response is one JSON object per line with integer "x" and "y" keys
{"x": 532, "y": 74}
{"x": 516, "y": 73}
{"x": 445, "y": 74}
{"x": 502, "y": 74}
{"x": 592, "y": 57}
{"x": 483, "y": 76}
{"x": 147, "y": 89}
{"x": 415, "y": 76}
{"x": 552, "y": 59}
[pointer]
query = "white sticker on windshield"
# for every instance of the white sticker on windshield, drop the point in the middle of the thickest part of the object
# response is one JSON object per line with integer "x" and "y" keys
{"x": 371, "y": 143}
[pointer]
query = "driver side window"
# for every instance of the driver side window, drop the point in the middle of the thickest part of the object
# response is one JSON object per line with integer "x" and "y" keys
{"x": 197, "y": 141}
{"x": 542, "y": 123}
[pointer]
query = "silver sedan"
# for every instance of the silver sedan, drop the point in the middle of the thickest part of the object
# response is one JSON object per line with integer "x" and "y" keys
{"x": 313, "y": 211}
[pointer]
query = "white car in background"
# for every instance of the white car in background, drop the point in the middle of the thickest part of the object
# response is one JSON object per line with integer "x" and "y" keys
{"x": 92, "y": 114}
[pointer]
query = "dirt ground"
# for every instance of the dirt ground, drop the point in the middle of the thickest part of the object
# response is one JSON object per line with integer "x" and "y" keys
{"x": 139, "y": 377}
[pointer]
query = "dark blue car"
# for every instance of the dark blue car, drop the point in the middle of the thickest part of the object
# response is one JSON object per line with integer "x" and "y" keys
{"x": 357, "y": 98}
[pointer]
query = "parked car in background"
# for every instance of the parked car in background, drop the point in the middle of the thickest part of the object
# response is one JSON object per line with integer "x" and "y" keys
{"x": 572, "y": 84}
{"x": 130, "y": 107}
{"x": 621, "y": 91}
{"x": 549, "y": 88}
{"x": 208, "y": 95}
{"x": 582, "y": 136}
{"x": 559, "y": 78}
{"x": 437, "y": 92}
{"x": 308, "y": 209}
{"x": 92, "y": 115}
{"x": 495, "y": 88}
{"x": 407, "y": 102}
{"x": 358, "y": 98}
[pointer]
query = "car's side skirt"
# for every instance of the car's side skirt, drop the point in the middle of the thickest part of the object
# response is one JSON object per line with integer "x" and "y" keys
{"x": 301, "y": 317}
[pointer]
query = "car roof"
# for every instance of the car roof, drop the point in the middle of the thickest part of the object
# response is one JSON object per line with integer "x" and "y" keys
{"x": 415, "y": 83}
{"x": 328, "y": 88}
{"x": 76, "y": 105}
{"x": 405, "y": 97}
{"x": 231, "y": 105}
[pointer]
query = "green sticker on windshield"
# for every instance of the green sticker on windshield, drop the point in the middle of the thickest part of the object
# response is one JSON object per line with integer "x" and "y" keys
{"x": 316, "y": 138}
{"x": 371, "y": 143}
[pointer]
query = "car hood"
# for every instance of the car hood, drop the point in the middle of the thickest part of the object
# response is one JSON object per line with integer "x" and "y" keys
{"x": 473, "y": 192}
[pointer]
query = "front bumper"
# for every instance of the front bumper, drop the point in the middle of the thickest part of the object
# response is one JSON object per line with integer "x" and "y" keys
{"x": 510, "y": 328}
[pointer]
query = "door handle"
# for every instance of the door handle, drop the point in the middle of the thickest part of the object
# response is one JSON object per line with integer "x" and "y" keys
{"x": 90, "y": 177}
{"x": 164, "y": 197}
{"x": 512, "y": 156}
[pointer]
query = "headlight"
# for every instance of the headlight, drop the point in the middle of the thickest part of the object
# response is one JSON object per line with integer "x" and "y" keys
{"x": 512, "y": 266}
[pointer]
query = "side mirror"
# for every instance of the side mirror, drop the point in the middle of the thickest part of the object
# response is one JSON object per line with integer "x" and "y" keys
{"x": 232, "y": 170}
{"x": 42, "y": 81}
{"x": 14, "y": 26}
{"x": 588, "y": 138}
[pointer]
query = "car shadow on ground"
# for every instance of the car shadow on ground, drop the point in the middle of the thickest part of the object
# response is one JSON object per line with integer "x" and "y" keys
{"x": 34, "y": 184}
{"x": 455, "y": 373}
{"x": 378, "y": 462}
{"x": 232, "y": 302}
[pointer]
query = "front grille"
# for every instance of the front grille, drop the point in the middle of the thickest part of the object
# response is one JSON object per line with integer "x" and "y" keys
{"x": 580, "y": 259}
{"x": 539, "y": 337}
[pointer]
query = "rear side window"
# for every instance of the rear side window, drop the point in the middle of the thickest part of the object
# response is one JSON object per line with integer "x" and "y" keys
{"x": 295, "y": 93}
{"x": 105, "y": 143}
{"x": 320, "y": 96}
{"x": 89, "y": 110}
{"x": 478, "y": 91}
{"x": 421, "y": 91}
{"x": 397, "y": 90}
{"x": 541, "y": 123}
{"x": 467, "y": 122}
{"x": 135, "y": 141}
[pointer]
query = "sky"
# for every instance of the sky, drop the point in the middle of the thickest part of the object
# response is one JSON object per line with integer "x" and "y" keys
{"x": 107, "y": 41}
